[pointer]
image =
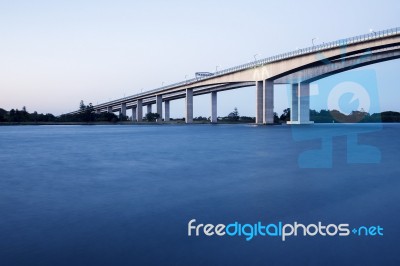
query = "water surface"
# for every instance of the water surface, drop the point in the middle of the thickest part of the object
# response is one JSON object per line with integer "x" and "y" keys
{"x": 123, "y": 195}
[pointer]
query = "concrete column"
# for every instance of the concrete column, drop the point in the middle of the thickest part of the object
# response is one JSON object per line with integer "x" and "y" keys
{"x": 109, "y": 109}
{"x": 294, "y": 109}
{"x": 139, "y": 110}
{"x": 159, "y": 107}
{"x": 259, "y": 102}
{"x": 268, "y": 102}
{"x": 98, "y": 111}
{"x": 304, "y": 103}
{"x": 123, "y": 110}
{"x": 166, "y": 106}
{"x": 148, "y": 108}
{"x": 300, "y": 110}
{"x": 214, "y": 116}
{"x": 134, "y": 114}
{"x": 189, "y": 106}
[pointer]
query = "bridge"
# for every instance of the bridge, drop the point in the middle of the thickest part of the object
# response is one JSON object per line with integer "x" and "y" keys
{"x": 298, "y": 68}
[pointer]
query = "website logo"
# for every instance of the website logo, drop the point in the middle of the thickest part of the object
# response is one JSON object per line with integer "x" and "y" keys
{"x": 281, "y": 230}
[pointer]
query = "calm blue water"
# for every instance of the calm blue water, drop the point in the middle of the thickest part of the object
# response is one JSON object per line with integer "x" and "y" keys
{"x": 123, "y": 195}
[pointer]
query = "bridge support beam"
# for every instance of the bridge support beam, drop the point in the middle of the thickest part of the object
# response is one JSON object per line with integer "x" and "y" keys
{"x": 304, "y": 103}
{"x": 109, "y": 109}
{"x": 123, "y": 110}
{"x": 159, "y": 108}
{"x": 294, "y": 109}
{"x": 148, "y": 108}
{"x": 98, "y": 111}
{"x": 259, "y": 102}
{"x": 214, "y": 117}
{"x": 139, "y": 110}
{"x": 189, "y": 106}
{"x": 268, "y": 102}
{"x": 265, "y": 102}
{"x": 166, "y": 106}
{"x": 300, "y": 109}
{"x": 133, "y": 114}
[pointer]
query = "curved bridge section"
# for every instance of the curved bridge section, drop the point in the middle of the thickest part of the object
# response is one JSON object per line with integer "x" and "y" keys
{"x": 299, "y": 68}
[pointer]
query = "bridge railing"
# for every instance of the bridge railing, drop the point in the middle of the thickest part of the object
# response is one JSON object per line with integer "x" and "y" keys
{"x": 320, "y": 47}
{"x": 303, "y": 51}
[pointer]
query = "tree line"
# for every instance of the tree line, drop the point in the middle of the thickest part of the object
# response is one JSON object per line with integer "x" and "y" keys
{"x": 88, "y": 114}
{"x": 334, "y": 116}
{"x": 15, "y": 115}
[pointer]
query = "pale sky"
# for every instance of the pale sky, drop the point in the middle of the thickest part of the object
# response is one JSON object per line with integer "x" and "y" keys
{"x": 56, "y": 53}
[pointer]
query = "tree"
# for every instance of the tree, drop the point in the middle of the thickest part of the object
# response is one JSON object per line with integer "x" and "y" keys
{"x": 82, "y": 106}
{"x": 3, "y": 115}
{"x": 88, "y": 114}
{"x": 276, "y": 118}
{"x": 286, "y": 115}
{"x": 122, "y": 117}
{"x": 234, "y": 116}
{"x": 151, "y": 117}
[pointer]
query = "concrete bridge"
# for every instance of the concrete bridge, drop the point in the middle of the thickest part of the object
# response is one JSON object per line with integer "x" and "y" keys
{"x": 298, "y": 68}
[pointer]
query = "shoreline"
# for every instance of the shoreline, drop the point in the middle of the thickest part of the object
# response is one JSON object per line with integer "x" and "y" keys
{"x": 158, "y": 124}
{"x": 114, "y": 123}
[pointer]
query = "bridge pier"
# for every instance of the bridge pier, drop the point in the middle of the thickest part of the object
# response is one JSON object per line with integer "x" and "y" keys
{"x": 268, "y": 102}
{"x": 189, "y": 106}
{"x": 109, "y": 109}
{"x": 265, "y": 102}
{"x": 166, "y": 106}
{"x": 304, "y": 103}
{"x": 294, "y": 109}
{"x": 139, "y": 110}
{"x": 98, "y": 111}
{"x": 159, "y": 108}
{"x": 259, "y": 101}
{"x": 148, "y": 108}
{"x": 133, "y": 114}
{"x": 214, "y": 117}
{"x": 123, "y": 110}
{"x": 300, "y": 109}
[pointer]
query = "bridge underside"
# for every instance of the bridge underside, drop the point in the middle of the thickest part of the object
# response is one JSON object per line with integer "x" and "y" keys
{"x": 297, "y": 68}
{"x": 300, "y": 89}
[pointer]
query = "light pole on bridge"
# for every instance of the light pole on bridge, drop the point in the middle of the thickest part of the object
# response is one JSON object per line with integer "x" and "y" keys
{"x": 255, "y": 58}
{"x": 312, "y": 40}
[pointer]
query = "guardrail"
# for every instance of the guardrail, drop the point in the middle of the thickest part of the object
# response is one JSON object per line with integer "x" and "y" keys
{"x": 303, "y": 51}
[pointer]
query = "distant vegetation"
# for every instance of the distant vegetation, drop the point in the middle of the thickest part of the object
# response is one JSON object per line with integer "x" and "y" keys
{"x": 151, "y": 117}
{"x": 234, "y": 117}
{"x": 87, "y": 114}
{"x": 327, "y": 116}
{"x": 15, "y": 115}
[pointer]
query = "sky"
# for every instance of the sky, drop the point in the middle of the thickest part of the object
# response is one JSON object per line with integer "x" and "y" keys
{"x": 56, "y": 53}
